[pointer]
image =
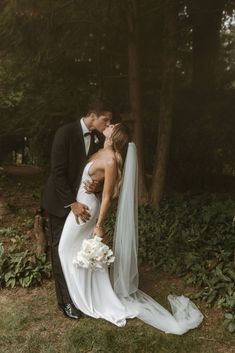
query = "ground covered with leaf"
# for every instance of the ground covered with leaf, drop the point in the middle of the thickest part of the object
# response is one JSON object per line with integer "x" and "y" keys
{"x": 193, "y": 235}
{"x": 185, "y": 247}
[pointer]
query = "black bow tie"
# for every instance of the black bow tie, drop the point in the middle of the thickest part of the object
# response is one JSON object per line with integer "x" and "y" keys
{"x": 87, "y": 134}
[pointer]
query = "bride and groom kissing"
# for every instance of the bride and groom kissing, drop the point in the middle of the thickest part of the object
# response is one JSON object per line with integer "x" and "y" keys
{"x": 93, "y": 156}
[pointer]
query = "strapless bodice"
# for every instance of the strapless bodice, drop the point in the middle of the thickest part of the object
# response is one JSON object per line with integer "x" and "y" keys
{"x": 85, "y": 174}
{"x": 85, "y": 177}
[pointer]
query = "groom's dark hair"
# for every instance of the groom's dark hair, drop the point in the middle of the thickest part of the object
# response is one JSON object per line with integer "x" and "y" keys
{"x": 99, "y": 106}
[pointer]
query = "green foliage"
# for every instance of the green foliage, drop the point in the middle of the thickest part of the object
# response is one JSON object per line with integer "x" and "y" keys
{"x": 187, "y": 231}
{"x": 9, "y": 232}
{"x": 19, "y": 267}
{"x": 55, "y": 56}
{"x": 193, "y": 236}
{"x": 23, "y": 269}
{"x": 229, "y": 321}
{"x": 16, "y": 240}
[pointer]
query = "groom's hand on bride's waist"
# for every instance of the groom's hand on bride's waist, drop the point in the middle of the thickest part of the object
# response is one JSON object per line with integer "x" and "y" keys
{"x": 80, "y": 211}
{"x": 93, "y": 186}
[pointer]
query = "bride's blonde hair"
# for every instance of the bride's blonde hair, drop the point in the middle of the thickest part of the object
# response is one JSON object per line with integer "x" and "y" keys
{"x": 120, "y": 138}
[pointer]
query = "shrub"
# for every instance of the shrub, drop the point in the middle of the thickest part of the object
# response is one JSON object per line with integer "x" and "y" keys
{"x": 20, "y": 267}
{"x": 193, "y": 236}
{"x": 24, "y": 268}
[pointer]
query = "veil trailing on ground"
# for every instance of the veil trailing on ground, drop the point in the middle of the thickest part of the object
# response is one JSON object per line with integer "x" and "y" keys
{"x": 125, "y": 274}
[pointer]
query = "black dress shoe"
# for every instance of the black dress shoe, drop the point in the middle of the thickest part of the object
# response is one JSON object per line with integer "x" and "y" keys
{"x": 70, "y": 311}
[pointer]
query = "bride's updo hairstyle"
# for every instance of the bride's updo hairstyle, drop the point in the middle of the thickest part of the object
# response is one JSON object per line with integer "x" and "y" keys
{"x": 120, "y": 137}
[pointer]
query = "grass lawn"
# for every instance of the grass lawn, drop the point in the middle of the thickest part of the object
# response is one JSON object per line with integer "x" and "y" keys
{"x": 31, "y": 323}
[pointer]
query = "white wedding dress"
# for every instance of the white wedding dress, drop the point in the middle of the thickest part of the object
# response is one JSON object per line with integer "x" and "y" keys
{"x": 118, "y": 298}
{"x": 90, "y": 291}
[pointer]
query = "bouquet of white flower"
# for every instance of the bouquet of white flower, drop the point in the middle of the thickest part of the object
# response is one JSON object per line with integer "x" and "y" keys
{"x": 94, "y": 254}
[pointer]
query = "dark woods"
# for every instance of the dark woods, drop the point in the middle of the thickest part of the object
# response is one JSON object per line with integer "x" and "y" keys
{"x": 168, "y": 67}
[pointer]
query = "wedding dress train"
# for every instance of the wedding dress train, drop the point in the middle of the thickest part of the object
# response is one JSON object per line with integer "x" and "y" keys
{"x": 118, "y": 298}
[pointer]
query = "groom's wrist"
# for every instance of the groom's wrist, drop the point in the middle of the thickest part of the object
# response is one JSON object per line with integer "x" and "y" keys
{"x": 70, "y": 204}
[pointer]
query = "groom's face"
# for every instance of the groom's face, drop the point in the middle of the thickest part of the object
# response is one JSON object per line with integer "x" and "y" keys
{"x": 102, "y": 121}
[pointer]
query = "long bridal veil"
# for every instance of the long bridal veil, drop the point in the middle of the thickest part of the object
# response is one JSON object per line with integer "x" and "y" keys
{"x": 125, "y": 277}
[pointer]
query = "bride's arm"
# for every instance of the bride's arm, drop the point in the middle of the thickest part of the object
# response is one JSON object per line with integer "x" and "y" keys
{"x": 110, "y": 175}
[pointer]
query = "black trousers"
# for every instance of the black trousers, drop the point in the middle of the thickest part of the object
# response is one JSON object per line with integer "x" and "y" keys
{"x": 56, "y": 225}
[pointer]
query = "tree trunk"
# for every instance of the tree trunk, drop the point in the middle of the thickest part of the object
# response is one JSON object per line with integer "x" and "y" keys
{"x": 40, "y": 235}
{"x": 134, "y": 93}
{"x": 206, "y": 17}
{"x": 166, "y": 100}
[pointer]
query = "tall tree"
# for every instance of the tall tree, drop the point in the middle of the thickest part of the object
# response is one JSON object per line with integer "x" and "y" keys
{"x": 206, "y": 18}
{"x": 171, "y": 9}
{"x": 134, "y": 90}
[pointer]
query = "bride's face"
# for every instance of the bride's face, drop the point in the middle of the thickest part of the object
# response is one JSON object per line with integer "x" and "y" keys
{"x": 109, "y": 130}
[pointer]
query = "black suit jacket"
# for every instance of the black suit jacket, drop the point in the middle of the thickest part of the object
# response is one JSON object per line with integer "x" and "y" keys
{"x": 68, "y": 158}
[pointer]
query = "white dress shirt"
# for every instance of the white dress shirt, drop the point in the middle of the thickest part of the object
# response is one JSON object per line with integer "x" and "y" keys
{"x": 87, "y": 139}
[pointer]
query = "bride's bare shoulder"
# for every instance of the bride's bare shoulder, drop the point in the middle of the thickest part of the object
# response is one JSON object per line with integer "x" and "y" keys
{"x": 110, "y": 159}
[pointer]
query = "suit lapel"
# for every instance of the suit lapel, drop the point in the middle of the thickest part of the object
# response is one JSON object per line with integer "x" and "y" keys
{"x": 92, "y": 146}
{"x": 80, "y": 136}
{"x": 79, "y": 153}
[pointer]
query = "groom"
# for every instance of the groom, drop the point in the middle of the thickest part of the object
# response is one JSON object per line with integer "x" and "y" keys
{"x": 71, "y": 148}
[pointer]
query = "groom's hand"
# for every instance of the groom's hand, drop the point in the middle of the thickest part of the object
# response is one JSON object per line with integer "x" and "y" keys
{"x": 80, "y": 211}
{"x": 93, "y": 186}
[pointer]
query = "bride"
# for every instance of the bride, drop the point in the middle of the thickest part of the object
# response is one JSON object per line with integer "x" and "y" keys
{"x": 116, "y": 297}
